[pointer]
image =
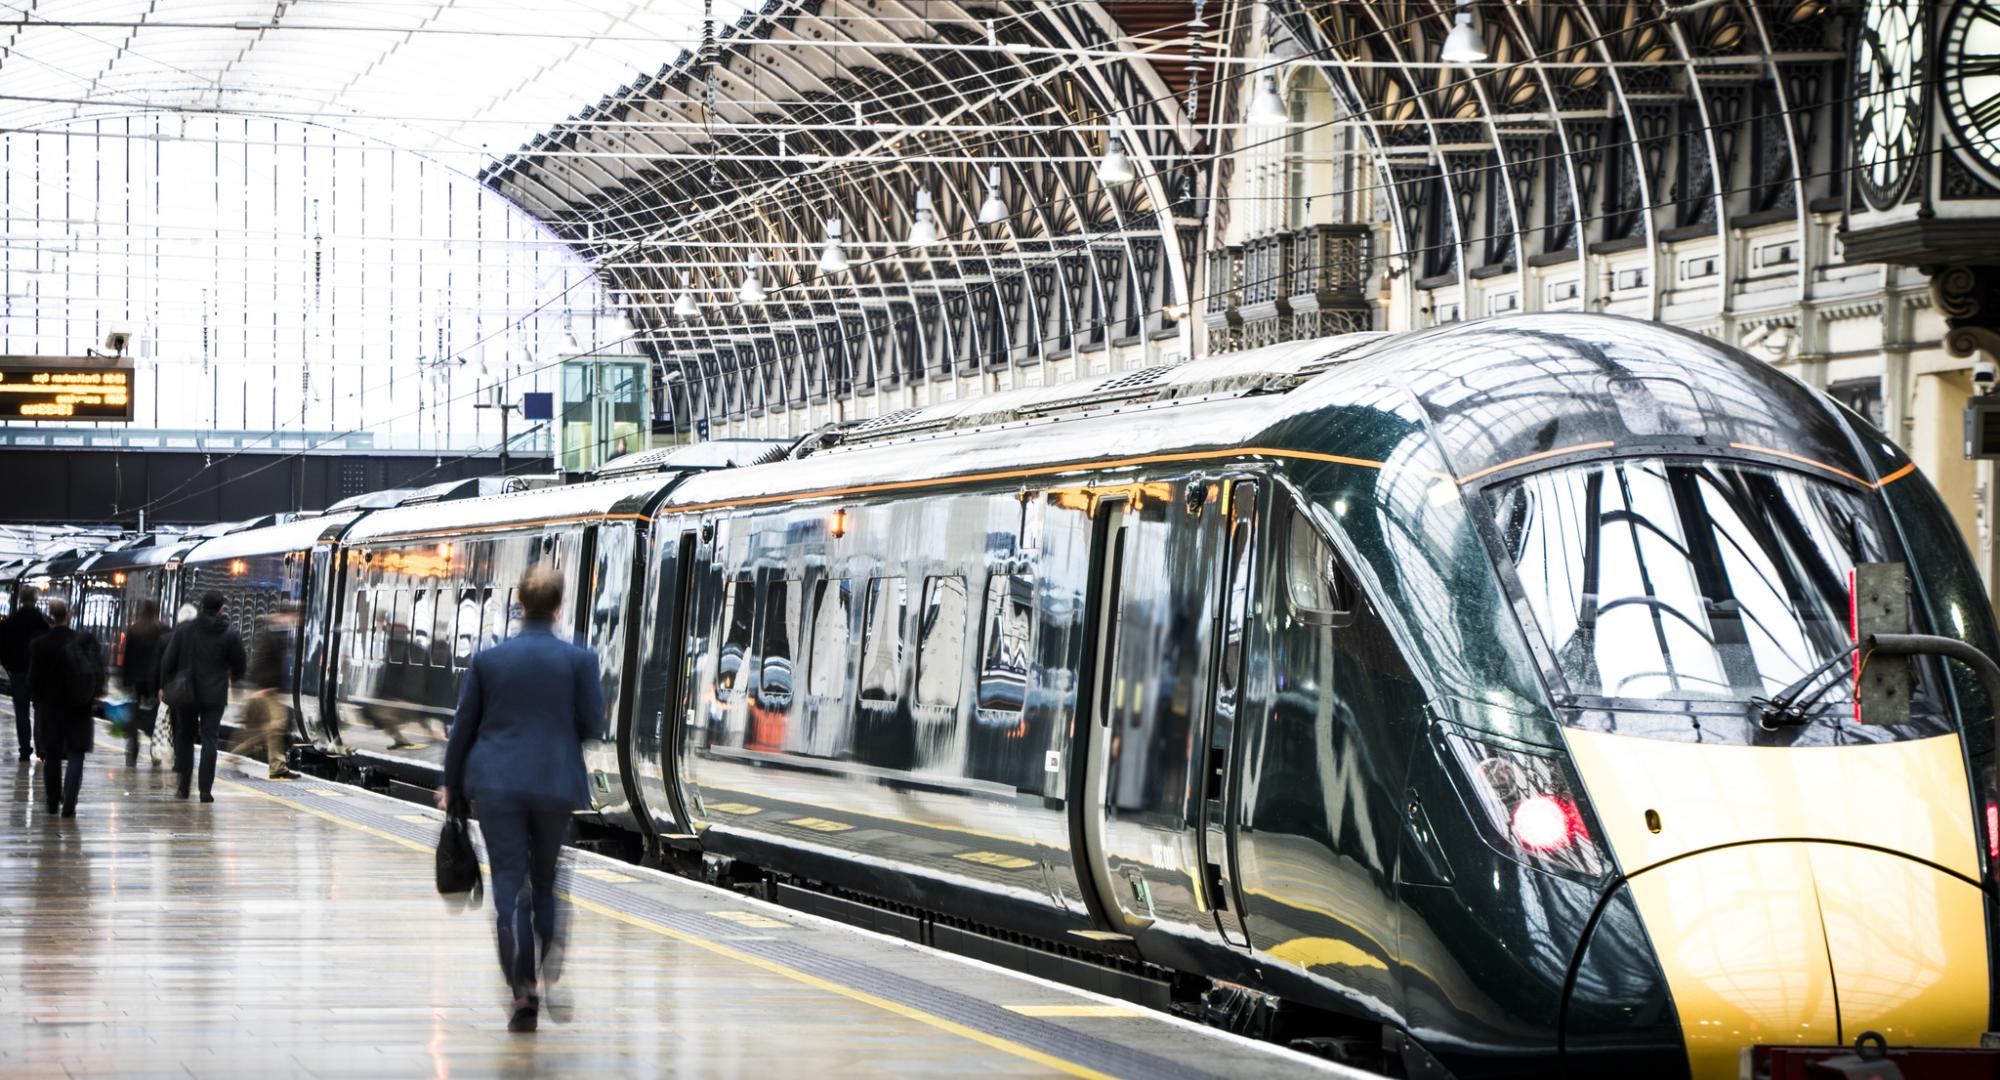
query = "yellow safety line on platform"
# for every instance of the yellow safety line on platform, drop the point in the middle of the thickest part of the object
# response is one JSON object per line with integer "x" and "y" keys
{"x": 950, "y": 1026}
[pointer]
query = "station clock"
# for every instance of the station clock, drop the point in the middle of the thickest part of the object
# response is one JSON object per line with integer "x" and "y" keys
{"x": 1889, "y": 56}
{"x": 1970, "y": 58}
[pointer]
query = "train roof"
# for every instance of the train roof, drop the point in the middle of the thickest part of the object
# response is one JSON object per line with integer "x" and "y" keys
{"x": 279, "y": 539}
{"x": 1493, "y": 393}
{"x": 572, "y": 502}
{"x": 713, "y": 454}
{"x": 149, "y": 549}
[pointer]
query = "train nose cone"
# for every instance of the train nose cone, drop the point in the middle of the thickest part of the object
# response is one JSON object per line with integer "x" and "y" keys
{"x": 1813, "y": 943}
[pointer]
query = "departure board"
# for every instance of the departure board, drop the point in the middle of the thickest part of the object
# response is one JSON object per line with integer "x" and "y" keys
{"x": 62, "y": 388}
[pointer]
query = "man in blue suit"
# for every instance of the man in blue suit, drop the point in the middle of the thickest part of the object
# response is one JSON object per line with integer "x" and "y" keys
{"x": 516, "y": 752}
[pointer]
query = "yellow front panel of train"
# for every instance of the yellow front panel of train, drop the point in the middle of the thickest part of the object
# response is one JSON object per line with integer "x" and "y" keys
{"x": 1795, "y": 895}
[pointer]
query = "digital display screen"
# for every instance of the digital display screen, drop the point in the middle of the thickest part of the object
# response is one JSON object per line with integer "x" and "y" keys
{"x": 36, "y": 389}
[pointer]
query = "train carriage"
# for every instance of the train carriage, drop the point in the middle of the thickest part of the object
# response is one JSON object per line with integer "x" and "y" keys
{"x": 113, "y": 582}
{"x": 1489, "y": 697}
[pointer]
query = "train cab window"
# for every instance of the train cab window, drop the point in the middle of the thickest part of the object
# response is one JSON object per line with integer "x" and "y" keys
{"x": 882, "y": 640}
{"x": 1009, "y": 624}
{"x": 466, "y": 640}
{"x": 738, "y": 605}
{"x": 774, "y": 656}
{"x": 832, "y": 636}
{"x": 1321, "y": 589}
{"x": 941, "y": 642}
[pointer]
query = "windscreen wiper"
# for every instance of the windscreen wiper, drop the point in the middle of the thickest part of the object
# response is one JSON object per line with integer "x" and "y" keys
{"x": 1788, "y": 707}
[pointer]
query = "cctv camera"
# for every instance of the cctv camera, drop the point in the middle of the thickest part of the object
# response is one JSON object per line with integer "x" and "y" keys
{"x": 1983, "y": 376}
{"x": 117, "y": 339}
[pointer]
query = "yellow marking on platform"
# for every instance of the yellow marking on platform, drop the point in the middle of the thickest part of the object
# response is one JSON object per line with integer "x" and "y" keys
{"x": 751, "y": 918}
{"x": 1078, "y": 1010}
{"x": 819, "y": 824}
{"x": 733, "y": 808}
{"x": 599, "y": 873}
{"x": 994, "y": 858}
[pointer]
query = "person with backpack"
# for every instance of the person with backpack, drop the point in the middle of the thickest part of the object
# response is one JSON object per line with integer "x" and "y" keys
{"x": 139, "y": 669}
{"x": 66, "y": 674}
{"x": 204, "y": 655}
{"x": 17, "y": 633}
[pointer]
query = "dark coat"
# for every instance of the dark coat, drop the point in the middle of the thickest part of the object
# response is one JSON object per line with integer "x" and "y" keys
{"x": 144, "y": 643}
{"x": 60, "y": 725}
{"x": 17, "y": 633}
{"x": 213, "y": 650}
{"x": 524, "y": 711}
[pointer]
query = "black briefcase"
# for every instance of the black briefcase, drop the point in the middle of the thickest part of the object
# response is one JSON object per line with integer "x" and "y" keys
{"x": 458, "y": 873}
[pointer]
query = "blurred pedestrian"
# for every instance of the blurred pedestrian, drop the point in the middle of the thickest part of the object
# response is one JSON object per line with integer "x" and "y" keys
{"x": 66, "y": 673}
{"x": 203, "y": 655}
{"x": 139, "y": 670}
{"x": 19, "y": 631}
{"x": 516, "y": 752}
{"x": 268, "y": 713}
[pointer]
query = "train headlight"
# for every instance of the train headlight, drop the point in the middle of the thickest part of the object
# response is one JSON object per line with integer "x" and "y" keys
{"x": 1526, "y": 806}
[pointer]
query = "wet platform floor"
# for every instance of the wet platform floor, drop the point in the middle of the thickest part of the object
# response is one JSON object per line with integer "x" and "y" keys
{"x": 293, "y": 929}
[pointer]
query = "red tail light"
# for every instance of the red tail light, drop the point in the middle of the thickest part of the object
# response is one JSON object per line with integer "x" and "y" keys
{"x": 1993, "y": 831}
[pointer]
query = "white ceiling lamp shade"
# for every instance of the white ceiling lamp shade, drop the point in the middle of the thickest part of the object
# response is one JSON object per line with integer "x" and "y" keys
{"x": 1115, "y": 167}
{"x": 994, "y": 210}
{"x": 1464, "y": 45}
{"x": 684, "y": 303}
{"x": 1267, "y": 109}
{"x": 832, "y": 259}
{"x": 923, "y": 231}
{"x": 752, "y": 290}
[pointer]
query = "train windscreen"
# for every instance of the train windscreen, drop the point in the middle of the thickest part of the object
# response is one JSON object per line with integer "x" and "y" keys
{"x": 1687, "y": 580}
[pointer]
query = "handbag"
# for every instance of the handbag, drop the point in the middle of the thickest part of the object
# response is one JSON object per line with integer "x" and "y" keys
{"x": 457, "y": 863}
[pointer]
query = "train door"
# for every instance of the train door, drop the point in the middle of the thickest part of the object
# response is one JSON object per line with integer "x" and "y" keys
{"x": 319, "y": 625}
{"x": 1220, "y": 774}
{"x": 661, "y": 688}
{"x": 1108, "y": 687}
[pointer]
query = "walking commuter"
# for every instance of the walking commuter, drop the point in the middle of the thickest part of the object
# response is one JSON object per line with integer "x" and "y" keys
{"x": 273, "y": 652}
{"x": 17, "y": 633}
{"x": 66, "y": 673}
{"x": 139, "y": 670}
{"x": 516, "y": 752}
{"x": 207, "y": 653}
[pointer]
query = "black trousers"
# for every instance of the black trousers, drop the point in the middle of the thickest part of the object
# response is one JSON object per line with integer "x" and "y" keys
{"x": 206, "y": 722}
{"x": 524, "y": 838}
{"x": 60, "y": 788}
{"x": 24, "y": 724}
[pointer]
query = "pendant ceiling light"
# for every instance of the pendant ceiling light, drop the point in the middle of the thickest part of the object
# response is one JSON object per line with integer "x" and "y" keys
{"x": 1115, "y": 168}
{"x": 994, "y": 209}
{"x": 1464, "y": 45}
{"x": 832, "y": 260}
{"x": 684, "y": 303}
{"x": 1267, "y": 109}
{"x": 923, "y": 231}
{"x": 752, "y": 290}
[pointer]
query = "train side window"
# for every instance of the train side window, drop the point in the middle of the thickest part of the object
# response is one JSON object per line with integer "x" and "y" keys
{"x": 420, "y": 626}
{"x": 1236, "y": 605}
{"x": 399, "y": 628}
{"x": 445, "y": 613}
{"x": 466, "y": 640}
{"x": 738, "y": 604}
{"x": 832, "y": 636}
{"x": 492, "y": 620}
{"x": 774, "y": 657}
{"x": 513, "y": 613}
{"x": 941, "y": 642}
{"x": 882, "y": 639}
{"x": 1009, "y": 623}
{"x": 1321, "y": 590}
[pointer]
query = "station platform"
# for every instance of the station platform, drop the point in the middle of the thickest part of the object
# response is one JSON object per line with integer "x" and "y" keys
{"x": 292, "y": 928}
